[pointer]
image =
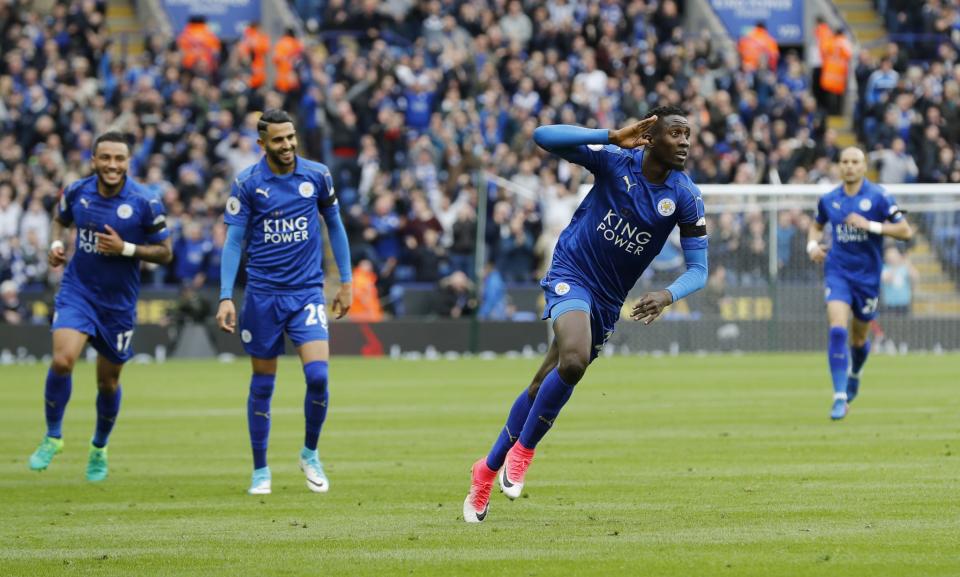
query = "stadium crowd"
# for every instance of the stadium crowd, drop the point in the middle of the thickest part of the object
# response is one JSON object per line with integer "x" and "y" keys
{"x": 421, "y": 107}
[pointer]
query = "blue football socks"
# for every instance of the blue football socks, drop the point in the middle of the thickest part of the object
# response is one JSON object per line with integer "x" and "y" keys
{"x": 838, "y": 360}
{"x": 511, "y": 431}
{"x": 55, "y": 398}
{"x": 315, "y": 402}
{"x": 858, "y": 356}
{"x": 551, "y": 397}
{"x": 258, "y": 416}
{"x": 108, "y": 407}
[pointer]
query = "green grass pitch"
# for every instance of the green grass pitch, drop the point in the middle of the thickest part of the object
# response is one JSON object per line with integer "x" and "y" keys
{"x": 658, "y": 466}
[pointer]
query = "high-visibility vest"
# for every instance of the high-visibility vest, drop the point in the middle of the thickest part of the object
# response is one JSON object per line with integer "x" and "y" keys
{"x": 199, "y": 44}
{"x": 286, "y": 54}
{"x": 824, "y": 36}
{"x": 254, "y": 46}
{"x": 366, "y": 301}
{"x": 756, "y": 44}
{"x": 836, "y": 62}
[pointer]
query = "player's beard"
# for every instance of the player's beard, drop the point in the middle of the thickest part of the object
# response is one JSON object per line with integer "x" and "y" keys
{"x": 278, "y": 160}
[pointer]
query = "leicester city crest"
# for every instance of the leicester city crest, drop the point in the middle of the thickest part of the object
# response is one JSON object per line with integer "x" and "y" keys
{"x": 666, "y": 207}
{"x": 124, "y": 211}
{"x": 306, "y": 189}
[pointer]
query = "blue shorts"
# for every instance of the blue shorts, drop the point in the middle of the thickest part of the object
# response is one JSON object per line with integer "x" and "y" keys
{"x": 564, "y": 295}
{"x": 863, "y": 300}
{"x": 265, "y": 317}
{"x": 110, "y": 331}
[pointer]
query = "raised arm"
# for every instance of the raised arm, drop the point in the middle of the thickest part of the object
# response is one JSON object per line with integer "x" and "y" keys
{"x": 557, "y": 137}
{"x": 582, "y": 145}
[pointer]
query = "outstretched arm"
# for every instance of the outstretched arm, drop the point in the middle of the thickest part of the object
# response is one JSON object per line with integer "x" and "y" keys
{"x": 650, "y": 305}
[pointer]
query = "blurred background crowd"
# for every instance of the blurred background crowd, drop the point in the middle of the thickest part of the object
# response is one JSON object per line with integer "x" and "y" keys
{"x": 422, "y": 108}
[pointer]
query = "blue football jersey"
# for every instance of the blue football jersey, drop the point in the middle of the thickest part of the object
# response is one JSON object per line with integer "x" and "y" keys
{"x": 624, "y": 221}
{"x": 135, "y": 213}
{"x": 281, "y": 214}
{"x": 856, "y": 254}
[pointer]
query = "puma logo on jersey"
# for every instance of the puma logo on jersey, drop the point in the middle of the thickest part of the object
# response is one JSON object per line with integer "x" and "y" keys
{"x": 264, "y": 191}
{"x": 626, "y": 179}
{"x": 85, "y": 202}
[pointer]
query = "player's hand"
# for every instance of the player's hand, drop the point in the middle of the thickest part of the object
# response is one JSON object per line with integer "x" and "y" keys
{"x": 818, "y": 253}
{"x": 650, "y": 305}
{"x": 857, "y": 221}
{"x": 343, "y": 300}
{"x": 227, "y": 316}
{"x": 109, "y": 243}
{"x": 56, "y": 256}
{"x": 635, "y": 135}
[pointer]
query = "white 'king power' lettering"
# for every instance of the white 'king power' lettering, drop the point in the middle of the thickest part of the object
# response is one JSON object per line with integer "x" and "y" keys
{"x": 87, "y": 241}
{"x": 623, "y": 234}
{"x": 845, "y": 233}
{"x": 279, "y": 230}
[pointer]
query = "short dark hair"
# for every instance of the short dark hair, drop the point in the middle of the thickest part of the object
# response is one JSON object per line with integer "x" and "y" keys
{"x": 272, "y": 116}
{"x": 662, "y": 112}
{"x": 113, "y": 136}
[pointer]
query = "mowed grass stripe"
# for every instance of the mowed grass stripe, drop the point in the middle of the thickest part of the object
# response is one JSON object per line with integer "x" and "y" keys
{"x": 658, "y": 466}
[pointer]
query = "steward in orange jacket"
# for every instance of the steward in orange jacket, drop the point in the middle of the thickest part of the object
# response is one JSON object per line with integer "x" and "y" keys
{"x": 836, "y": 63}
{"x": 756, "y": 44}
{"x": 199, "y": 46}
{"x": 253, "y": 47}
{"x": 286, "y": 56}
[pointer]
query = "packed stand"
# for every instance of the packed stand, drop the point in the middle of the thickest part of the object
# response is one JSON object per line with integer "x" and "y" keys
{"x": 908, "y": 107}
{"x": 420, "y": 109}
